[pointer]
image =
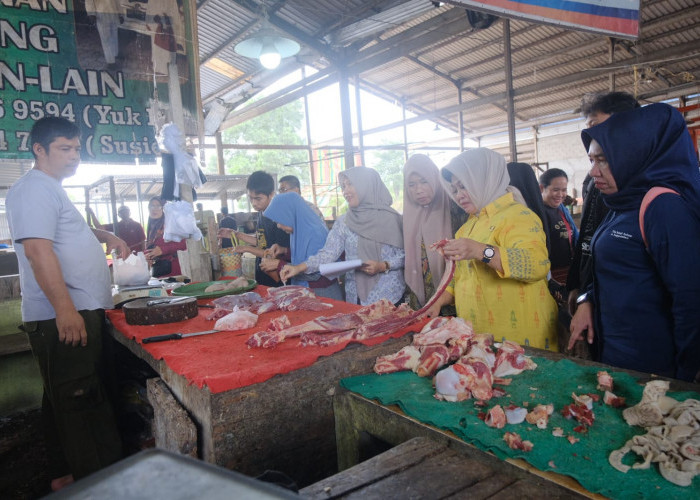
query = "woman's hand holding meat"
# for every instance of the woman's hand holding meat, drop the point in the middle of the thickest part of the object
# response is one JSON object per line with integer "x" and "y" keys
{"x": 434, "y": 310}
{"x": 289, "y": 271}
{"x": 463, "y": 249}
{"x": 580, "y": 322}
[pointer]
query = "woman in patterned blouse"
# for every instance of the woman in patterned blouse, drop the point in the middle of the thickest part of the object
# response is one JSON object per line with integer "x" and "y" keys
{"x": 500, "y": 282}
{"x": 370, "y": 231}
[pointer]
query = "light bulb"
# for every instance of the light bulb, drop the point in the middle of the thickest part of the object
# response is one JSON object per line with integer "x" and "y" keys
{"x": 269, "y": 57}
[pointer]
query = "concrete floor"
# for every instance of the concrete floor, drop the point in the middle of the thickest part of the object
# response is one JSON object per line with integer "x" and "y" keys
{"x": 23, "y": 457}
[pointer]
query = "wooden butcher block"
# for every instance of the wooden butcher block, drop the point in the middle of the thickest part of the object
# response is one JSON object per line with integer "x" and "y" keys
{"x": 139, "y": 312}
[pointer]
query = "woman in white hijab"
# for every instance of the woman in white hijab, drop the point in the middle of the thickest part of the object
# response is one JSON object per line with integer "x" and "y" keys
{"x": 370, "y": 231}
{"x": 500, "y": 281}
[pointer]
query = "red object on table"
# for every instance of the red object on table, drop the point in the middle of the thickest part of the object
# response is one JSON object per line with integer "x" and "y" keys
{"x": 222, "y": 361}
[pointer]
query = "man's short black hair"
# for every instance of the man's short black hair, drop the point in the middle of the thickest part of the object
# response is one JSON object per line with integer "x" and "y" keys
{"x": 608, "y": 103}
{"x": 48, "y": 129}
{"x": 548, "y": 175}
{"x": 261, "y": 183}
{"x": 292, "y": 180}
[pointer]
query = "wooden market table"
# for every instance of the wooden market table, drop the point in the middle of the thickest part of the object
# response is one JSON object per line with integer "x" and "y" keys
{"x": 250, "y": 409}
{"x": 363, "y": 425}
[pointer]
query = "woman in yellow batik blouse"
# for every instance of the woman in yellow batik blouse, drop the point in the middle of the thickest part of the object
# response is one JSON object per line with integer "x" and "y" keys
{"x": 500, "y": 281}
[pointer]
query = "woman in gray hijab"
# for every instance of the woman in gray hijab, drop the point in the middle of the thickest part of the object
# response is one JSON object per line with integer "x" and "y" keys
{"x": 370, "y": 231}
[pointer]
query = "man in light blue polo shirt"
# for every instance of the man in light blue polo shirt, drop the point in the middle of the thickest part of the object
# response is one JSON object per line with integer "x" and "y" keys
{"x": 65, "y": 289}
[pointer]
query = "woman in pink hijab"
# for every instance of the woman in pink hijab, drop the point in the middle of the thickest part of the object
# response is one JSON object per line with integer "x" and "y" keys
{"x": 427, "y": 218}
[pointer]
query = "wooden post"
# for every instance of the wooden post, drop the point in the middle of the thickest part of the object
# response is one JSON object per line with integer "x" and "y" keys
{"x": 173, "y": 428}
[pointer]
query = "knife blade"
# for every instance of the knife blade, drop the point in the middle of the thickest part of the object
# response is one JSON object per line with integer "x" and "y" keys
{"x": 176, "y": 336}
{"x": 166, "y": 300}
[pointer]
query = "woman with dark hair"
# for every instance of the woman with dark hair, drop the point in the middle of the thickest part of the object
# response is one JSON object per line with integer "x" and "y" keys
{"x": 642, "y": 309}
{"x": 161, "y": 255}
{"x": 370, "y": 231}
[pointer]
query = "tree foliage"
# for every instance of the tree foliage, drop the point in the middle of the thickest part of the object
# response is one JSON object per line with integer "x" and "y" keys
{"x": 281, "y": 126}
{"x": 389, "y": 163}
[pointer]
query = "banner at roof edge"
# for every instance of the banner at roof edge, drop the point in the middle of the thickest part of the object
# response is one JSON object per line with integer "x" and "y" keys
{"x": 106, "y": 65}
{"x": 619, "y": 18}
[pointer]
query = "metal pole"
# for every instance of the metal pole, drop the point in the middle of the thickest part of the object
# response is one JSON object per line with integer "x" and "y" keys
{"x": 309, "y": 151}
{"x": 461, "y": 119}
{"x": 138, "y": 202}
{"x": 346, "y": 118}
{"x": 358, "y": 110}
{"x": 535, "y": 130}
{"x": 405, "y": 131}
{"x": 113, "y": 202}
{"x": 221, "y": 167}
{"x": 509, "y": 90}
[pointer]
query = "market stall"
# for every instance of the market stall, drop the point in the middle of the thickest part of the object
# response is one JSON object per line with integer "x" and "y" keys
{"x": 253, "y": 408}
{"x": 399, "y": 406}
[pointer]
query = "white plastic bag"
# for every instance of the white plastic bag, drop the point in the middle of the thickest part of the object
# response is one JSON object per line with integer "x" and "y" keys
{"x": 237, "y": 320}
{"x": 180, "y": 223}
{"x": 130, "y": 271}
{"x": 186, "y": 166}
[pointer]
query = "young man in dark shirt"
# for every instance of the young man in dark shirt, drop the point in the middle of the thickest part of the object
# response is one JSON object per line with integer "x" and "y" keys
{"x": 261, "y": 189}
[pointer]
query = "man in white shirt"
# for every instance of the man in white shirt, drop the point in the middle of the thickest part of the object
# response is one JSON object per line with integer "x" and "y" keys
{"x": 65, "y": 286}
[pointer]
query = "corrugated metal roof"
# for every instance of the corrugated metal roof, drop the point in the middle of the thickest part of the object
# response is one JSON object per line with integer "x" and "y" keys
{"x": 416, "y": 53}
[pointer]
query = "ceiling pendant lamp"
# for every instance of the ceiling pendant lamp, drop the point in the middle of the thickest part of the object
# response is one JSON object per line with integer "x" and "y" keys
{"x": 267, "y": 46}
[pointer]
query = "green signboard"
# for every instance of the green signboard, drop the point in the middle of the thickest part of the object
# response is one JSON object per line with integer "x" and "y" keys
{"x": 108, "y": 65}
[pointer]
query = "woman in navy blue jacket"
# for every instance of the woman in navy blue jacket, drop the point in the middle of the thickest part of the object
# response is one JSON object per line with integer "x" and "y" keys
{"x": 643, "y": 310}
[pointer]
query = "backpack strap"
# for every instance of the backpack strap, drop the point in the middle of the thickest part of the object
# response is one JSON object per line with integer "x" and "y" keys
{"x": 648, "y": 198}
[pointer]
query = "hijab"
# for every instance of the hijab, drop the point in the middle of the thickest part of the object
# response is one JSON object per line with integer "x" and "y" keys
{"x": 523, "y": 177}
{"x": 429, "y": 223}
{"x": 373, "y": 220}
{"x": 309, "y": 233}
{"x": 647, "y": 147}
{"x": 155, "y": 226}
{"x": 483, "y": 174}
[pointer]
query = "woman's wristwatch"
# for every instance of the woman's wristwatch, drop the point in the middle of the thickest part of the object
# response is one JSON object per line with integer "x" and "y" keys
{"x": 582, "y": 298}
{"x": 488, "y": 254}
{"x": 388, "y": 267}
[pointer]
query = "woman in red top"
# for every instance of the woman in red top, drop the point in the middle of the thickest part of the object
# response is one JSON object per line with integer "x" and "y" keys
{"x": 161, "y": 254}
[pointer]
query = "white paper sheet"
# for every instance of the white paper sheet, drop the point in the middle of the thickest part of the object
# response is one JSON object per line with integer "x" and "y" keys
{"x": 335, "y": 269}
